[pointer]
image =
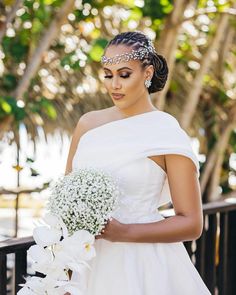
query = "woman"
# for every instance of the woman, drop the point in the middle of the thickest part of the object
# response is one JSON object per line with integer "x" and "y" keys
{"x": 139, "y": 252}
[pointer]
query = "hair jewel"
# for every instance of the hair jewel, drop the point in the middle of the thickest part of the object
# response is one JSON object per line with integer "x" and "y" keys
{"x": 140, "y": 53}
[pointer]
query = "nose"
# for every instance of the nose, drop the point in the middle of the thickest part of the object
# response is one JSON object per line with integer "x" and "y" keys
{"x": 116, "y": 83}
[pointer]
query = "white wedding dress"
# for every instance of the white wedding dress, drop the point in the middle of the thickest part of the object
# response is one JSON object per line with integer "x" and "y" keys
{"x": 121, "y": 148}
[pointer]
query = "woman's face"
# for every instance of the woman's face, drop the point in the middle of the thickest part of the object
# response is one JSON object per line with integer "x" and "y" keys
{"x": 124, "y": 81}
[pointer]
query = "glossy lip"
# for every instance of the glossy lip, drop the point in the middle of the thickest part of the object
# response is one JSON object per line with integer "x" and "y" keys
{"x": 117, "y": 95}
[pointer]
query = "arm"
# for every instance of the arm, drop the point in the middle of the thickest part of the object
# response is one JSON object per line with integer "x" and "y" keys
{"x": 186, "y": 197}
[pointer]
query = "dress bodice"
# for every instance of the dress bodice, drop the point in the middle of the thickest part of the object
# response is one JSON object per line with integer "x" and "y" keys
{"x": 122, "y": 148}
{"x": 140, "y": 183}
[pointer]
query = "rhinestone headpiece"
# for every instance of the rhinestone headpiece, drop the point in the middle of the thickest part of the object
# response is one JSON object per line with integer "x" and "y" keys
{"x": 140, "y": 53}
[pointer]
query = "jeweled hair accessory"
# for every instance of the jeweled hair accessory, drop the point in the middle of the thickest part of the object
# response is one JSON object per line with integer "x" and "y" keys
{"x": 140, "y": 53}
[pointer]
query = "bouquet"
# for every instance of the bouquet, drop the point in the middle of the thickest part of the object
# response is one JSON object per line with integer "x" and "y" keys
{"x": 79, "y": 206}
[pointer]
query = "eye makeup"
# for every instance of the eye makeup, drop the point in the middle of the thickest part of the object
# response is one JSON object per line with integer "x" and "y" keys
{"x": 124, "y": 76}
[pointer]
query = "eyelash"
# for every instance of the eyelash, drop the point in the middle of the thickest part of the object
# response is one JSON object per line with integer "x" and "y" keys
{"x": 124, "y": 77}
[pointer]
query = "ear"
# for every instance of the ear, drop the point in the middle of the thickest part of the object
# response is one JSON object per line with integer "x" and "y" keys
{"x": 149, "y": 71}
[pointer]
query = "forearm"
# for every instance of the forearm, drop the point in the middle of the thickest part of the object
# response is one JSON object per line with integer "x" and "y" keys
{"x": 173, "y": 229}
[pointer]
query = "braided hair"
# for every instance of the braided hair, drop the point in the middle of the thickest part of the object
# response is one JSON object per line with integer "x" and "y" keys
{"x": 137, "y": 39}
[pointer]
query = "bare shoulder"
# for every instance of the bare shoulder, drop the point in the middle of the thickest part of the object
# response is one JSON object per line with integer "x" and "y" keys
{"x": 94, "y": 119}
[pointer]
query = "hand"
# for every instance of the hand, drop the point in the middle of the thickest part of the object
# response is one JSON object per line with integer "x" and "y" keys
{"x": 113, "y": 231}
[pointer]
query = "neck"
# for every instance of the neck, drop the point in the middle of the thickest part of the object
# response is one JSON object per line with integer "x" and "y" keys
{"x": 137, "y": 108}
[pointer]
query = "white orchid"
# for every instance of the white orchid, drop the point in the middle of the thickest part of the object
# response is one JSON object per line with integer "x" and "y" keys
{"x": 40, "y": 255}
{"x": 26, "y": 291}
{"x": 42, "y": 258}
{"x": 55, "y": 222}
{"x": 74, "y": 288}
{"x": 79, "y": 245}
{"x": 42, "y": 286}
{"x": 45, "y": 236}
{"x": 33, "y": 286}
{"x": 79, "y": 206}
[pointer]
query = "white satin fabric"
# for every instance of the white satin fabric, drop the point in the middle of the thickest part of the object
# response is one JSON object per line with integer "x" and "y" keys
{"x": 122, "y": 148}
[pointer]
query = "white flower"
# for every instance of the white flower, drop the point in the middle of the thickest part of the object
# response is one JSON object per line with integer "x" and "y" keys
{"x": 79, "y": 266}
{"x": 32, "y": 286}
{"x": 42, "y": 286}
{"x": 39, "y": 254}
{"x": 72, "y": 287}
{"x": 84, "y": 199}
{"x": 80, "y": 245}
{"x": 52, "y": 220}
{"x": 45, "y": 236}
{"x": 79, "y": 206}
{"x": 72, "y": 252}
{"x": 26, "y": 291}
{"x": 55, "y": 222}
{"x": 42, "y": 258}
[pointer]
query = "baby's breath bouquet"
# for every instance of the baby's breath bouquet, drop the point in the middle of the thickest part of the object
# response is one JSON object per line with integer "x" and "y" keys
{"x": 84, "y": 199}
{"x": 79, "y": 206}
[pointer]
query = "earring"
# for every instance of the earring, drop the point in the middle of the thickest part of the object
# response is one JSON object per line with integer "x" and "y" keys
{"x": 148, "y": 83}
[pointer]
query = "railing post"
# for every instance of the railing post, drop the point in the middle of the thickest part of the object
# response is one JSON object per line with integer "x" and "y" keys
{"x": 210, "y": 269}
{"x": 200, "y": 253}
{"x": 231, "y": 253}
{"x": 223, "y": 263}
{"x": 3, "y": 274}
{"x": 20, "y": 268}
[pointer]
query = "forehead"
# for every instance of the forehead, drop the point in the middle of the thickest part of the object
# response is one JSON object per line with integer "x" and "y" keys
{"x": 114, "y": 50}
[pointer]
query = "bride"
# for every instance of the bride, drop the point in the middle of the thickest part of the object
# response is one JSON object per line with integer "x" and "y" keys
{"x": 139, "y": 252}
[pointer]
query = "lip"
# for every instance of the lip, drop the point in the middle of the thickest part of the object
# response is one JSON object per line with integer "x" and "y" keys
{"x": 117, "y": 95}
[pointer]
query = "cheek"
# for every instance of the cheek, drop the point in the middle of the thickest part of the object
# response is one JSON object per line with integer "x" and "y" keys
{"x": 135, "y": 84}
{"x": 106, "y": 83}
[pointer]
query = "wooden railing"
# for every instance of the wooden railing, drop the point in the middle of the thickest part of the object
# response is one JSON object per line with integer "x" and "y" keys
{"x": 19, "y": 247}
{"x": 214, "y": 253}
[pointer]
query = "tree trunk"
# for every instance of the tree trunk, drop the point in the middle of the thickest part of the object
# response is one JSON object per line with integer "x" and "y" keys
{"x": 36, "y": 59}
{"x": 215, "y": 176}
{"x": 193, "y": 96}
{"x": 5, "y": 125}
{"x": 167, "y": 45}
{"x": 226, "y": 44}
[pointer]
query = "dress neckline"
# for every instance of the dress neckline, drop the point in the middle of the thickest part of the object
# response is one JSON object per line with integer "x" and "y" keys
{"x": 117, "y": 121}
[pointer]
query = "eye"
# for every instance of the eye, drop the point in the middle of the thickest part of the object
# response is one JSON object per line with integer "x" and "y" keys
{"x": 125, "y": 76}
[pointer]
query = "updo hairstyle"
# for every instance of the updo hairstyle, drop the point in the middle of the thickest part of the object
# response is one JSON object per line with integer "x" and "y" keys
{"x": 136, "y": 40}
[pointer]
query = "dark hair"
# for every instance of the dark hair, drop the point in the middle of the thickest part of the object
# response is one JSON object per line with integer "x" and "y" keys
{"x": 137, "y": 40}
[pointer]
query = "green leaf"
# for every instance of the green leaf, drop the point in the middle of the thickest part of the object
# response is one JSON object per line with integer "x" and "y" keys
{"x": 5, "y": 106}
{"x": 129, "y": 3}
{"x": 97, "y": 50}
{"x": 48, "y": 108}
{"x": 9, "y": 82}
{"x": 136, "y": 14}
{"x": 26, "y": 17}
{"x": 157, "y": 9}
{"x": 51, "y": 112}
{"x": 37, "y": 26}
{"x": 18, "y": 113}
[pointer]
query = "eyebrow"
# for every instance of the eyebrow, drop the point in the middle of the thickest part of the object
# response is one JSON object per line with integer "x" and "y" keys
{"x": 118, "y": 69}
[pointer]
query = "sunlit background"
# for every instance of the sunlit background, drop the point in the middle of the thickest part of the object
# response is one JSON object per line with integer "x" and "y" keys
{"x": 50, "y": 75}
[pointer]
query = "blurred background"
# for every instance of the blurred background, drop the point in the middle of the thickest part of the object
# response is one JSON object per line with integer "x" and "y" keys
{"x": 50, "y": 75}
